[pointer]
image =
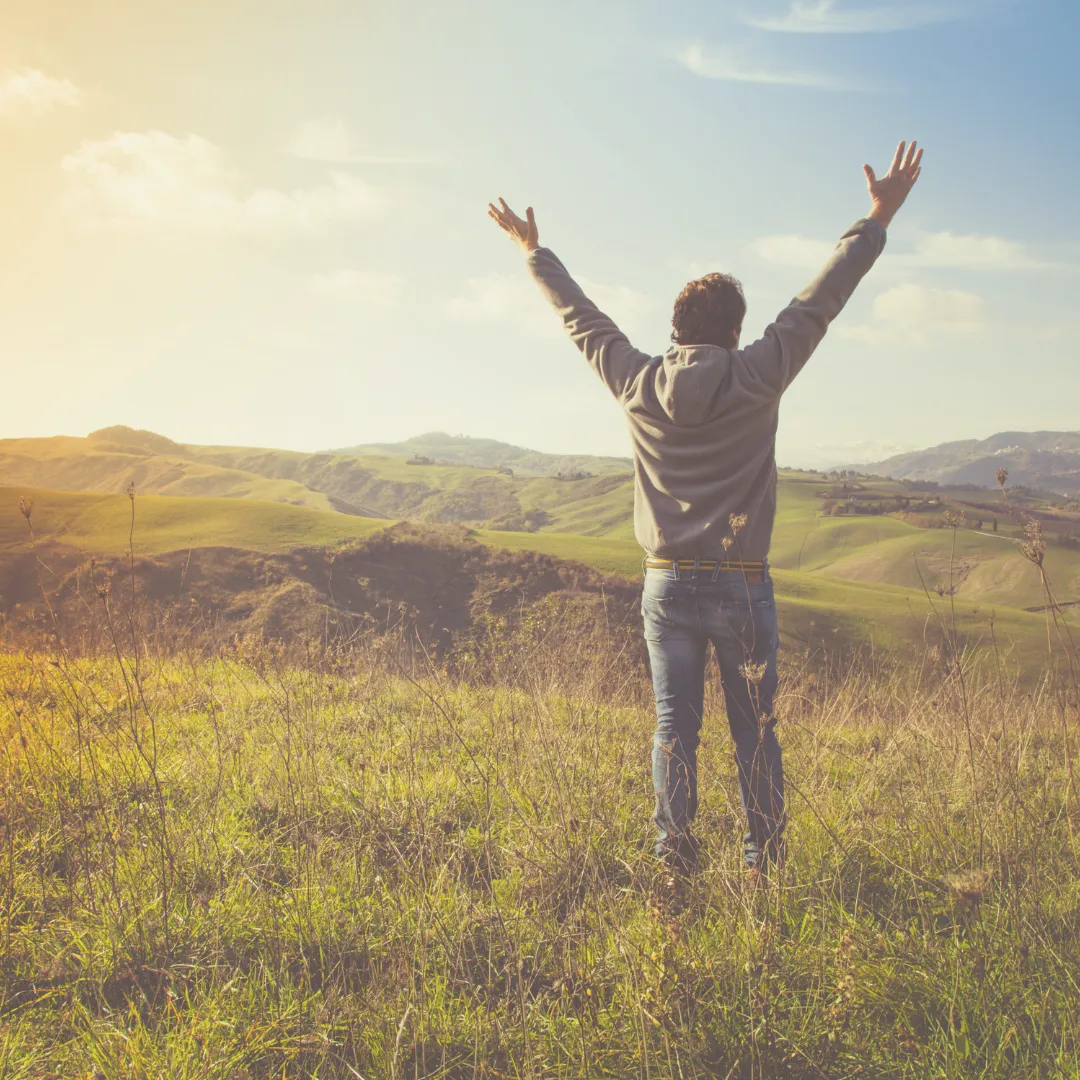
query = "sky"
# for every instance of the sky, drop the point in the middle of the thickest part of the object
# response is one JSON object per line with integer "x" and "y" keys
{"x": 260, "y": 222}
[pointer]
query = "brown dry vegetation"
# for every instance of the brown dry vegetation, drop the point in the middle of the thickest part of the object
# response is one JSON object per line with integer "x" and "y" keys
{"x": 432, "y": 587}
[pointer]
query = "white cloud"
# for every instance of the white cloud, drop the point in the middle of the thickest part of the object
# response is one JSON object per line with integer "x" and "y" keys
{"x": 916, "y": 313}
{"x": 500, "y": 296}
{"x": 945, "y": 249}
{"x": 624, "y": 305}
{"x": 358, "y": 287}
{"x": 155, "y": 180}
{"x": 934, "y": 251}
{"x": 330, "y": 139}
{"x": 824, "y": 17}
{"x": 30, "y": 92}
{"x": 793, "y": 252}
{"x": 719, "y": 66}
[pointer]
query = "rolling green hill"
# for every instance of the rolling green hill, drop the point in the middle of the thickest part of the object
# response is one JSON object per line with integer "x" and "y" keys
{"x": 818, "y": 610}
{"x": 490, "y": 454}
{"x": 101, "y": 523}
{"x": 867, "y": 548}
{"x": 841, "y": 598}
{"x": 373, "y": 486}
{"x": 859, "y": 572}
{"x": 976, "y": 565}
{"x": 109, "y": 462}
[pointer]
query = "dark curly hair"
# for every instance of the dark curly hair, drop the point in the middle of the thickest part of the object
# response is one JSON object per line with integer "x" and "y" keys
{"x": 709, "y": 311}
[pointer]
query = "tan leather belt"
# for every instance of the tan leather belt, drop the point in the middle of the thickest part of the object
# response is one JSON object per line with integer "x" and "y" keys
{"x": 753, "y": 571}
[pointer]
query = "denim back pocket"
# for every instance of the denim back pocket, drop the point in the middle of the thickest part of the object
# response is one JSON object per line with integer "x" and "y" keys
{"x": 749, "y": 616}
{"x": 658, "y": 616}
{"x": 758, "y": 596}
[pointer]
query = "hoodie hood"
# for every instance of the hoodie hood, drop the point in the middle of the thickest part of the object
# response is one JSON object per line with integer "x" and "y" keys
{"x": 688, "y": 379}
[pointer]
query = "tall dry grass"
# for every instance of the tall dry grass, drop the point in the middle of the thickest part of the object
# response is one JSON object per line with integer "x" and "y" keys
{"x": 358, "y": 862}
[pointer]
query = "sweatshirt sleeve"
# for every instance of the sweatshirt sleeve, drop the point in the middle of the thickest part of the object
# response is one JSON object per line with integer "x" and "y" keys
{"x": 780, "y": 354}
{"x": 602, "y": 343}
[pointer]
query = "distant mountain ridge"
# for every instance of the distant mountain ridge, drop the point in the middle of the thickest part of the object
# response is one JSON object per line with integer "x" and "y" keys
{"x": 491, "y": 454}
{"x": 1045, "y": 460}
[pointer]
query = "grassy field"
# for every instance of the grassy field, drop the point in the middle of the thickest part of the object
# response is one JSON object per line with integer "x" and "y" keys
{"x": 832, "y": 614}
{"x": 603, "y": 507}
{"x": 985, "y": 567}
{"x": 101, "y": 523}
{"x": 244, "y": 869}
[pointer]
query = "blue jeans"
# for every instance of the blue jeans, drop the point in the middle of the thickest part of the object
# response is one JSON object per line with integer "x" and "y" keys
{"x": 682, "y": 613}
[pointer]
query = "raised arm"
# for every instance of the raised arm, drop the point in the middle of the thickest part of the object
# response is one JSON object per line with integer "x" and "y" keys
{"x": 602, "y": 343}
{"x": 781, "y": 353}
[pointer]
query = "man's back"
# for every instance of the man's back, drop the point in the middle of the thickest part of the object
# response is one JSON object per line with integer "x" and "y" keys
{"x": 703, "y": 418}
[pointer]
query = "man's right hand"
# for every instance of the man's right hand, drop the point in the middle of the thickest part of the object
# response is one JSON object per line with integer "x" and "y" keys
{"x": 887, "y": 195}
{"x": 523, "y": 233}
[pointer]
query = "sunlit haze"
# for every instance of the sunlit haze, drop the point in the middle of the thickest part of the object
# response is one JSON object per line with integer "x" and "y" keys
{"x": 264, "y": 223}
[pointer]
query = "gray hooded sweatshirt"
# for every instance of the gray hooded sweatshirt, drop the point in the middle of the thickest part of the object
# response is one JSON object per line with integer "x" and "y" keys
{"x": 702, "y": 418}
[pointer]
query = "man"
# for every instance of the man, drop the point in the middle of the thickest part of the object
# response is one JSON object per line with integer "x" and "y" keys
{"x": 702, "y": 420}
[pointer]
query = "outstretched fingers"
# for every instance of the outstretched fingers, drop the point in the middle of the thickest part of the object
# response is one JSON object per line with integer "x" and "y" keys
{"x": 521, "y": 230}
{"x": 509, "y": 214}
{"x": 505, "y": 217}
{"x": 888, "y": 193}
